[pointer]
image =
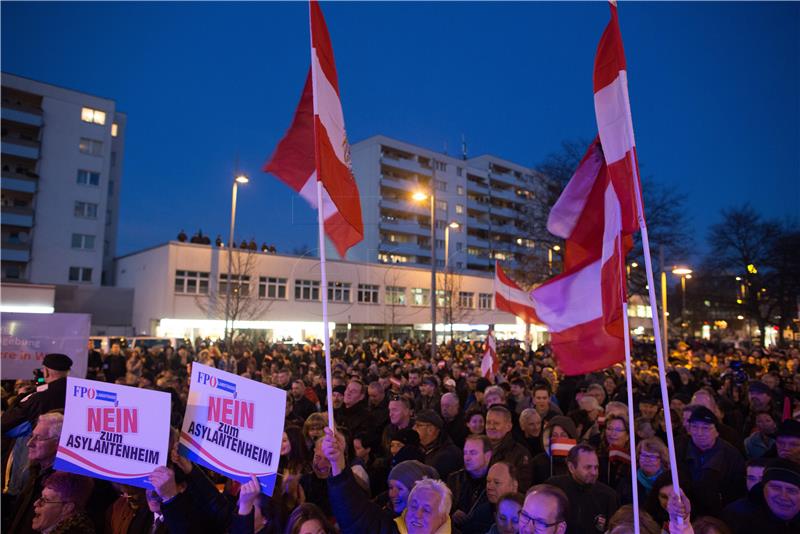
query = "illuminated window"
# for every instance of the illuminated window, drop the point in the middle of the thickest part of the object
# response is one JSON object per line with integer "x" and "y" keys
{"x": 420, "y": 296}
{"x": 191, "y": 282}
{"x": 459, "y": 208}
{"x": 441, "y": 205}
{"x": 306, "y": 289}
{"x": 339, "y": 291}
{"x": 442, "y": 297}
{"x": 114, "y": 129}
{"x": 396, "y": 295}
{"x": 485, "y": 301}
{"x": 460, "y": 189}
{"x": 392, "y": 258}
{"x": 272, "y": 288}
{"x": 91, "y": 147}
{"x": 94, "y": 116}
{"x": 80, "y": 274}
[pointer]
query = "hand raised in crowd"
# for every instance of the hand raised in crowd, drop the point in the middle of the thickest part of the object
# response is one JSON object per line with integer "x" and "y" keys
{"x": 182, "y": 462}
{"x": 163, "y": 481}
{"x": 679, "y": 513}
{"x": 333, "y": 446}
{"x": 248, "y": 493}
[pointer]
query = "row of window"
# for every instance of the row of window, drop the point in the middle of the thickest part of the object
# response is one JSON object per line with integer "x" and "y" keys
{"x": 197, "y": 283}
{"x": 95, "y": 116}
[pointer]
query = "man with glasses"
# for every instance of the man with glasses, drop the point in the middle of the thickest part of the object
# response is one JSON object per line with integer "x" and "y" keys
{"x": 716, "y": 468}
{"x": 61, "y": 507}
{"x": 544, "y": 511}
{"x": 42, "y": 447}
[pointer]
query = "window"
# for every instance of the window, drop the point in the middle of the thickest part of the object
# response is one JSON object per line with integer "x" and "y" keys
{"x": 466, "y": 299}
{"x": 306, "y": 289}
{"x": 110, "y": 188}
{"x": 88, "y": 178}
{"x": 459, "y": 208}
{"x": 83, "y": 241}
{"x": 460, "y": 189}
{"x": 271, "y": 288}
{"x": 441, "y": 225}
{"x": 90, "y": 146}
{"x": 113, "y": 159}
{"x": 368, "y": 293}
{"x": 459, "y": 247}
{"x": 396, "y": 295}
{"x": 80, "y": 274}
{"x": 485, "y": 301}
{"x": 441, "y": 185}
{"x": 441, "y": 205}
{"x": 191, "y": 282}
{"x": 240, "y": 284}
{"x": 339, "y": 291}
{"x": 440, "y": 263}
{"x": 392, "y": 258}
{"x": 442, "y": 297}
{"x": 440, "y": 165}
{"x": 440, "y": 243}
{"x": 114, "y": 129}
{"x": 459, "y": 171}
{"x": 420, "y": 296}
{"x": 94, "y": 116}
{"x": 86, "y": 210}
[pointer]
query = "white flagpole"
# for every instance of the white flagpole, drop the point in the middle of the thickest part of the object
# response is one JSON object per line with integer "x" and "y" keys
{"x": 321, "y": 227}
{"x": 662, "y": 374}
{"x": 631, "y": 425}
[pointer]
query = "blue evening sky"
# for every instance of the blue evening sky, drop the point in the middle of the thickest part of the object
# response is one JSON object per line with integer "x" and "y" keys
{"x": 715, "y": 93}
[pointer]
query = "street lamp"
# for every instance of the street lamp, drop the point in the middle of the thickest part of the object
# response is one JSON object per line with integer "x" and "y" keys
{"x": 550, "y": 251}
{"x": 684, "y": 272}
{"x": 239, "y": 179}
{"x": 422, "y": 196}
{"x": 455, "y": 226}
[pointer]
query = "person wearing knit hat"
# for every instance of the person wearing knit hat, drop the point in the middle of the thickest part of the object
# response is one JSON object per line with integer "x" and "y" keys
{"x": 404, "y": 445}
{"x": 787, "y": 440}
{"x": 402, "y": 478}
{"x": 776, "y": 508}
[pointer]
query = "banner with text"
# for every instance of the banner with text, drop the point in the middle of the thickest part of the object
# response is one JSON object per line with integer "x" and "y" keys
{"x": 27, "y": 337}
{"x": 114, "y": 432}
{"x": 233, "y": 425}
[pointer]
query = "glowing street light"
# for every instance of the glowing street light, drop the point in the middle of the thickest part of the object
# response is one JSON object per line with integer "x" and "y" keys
{"x": 684, "y": 272}
{"x": 419, "y": 196}
{"x": 681, "y": 270}
{"x": 238, "y": 179}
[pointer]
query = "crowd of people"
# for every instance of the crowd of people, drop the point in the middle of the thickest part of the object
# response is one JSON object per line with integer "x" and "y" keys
{"x": 428, "y": 445}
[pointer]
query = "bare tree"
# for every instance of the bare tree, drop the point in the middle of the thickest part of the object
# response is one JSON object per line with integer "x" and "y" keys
{"x": 452, "y": 310}
{"x": 393, "y": 307}
{"x": 244, "y": 305}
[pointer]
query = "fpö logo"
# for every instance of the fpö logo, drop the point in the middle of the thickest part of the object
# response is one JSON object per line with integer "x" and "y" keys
{"x": 218, "y": 383}
{"x": 85, "y": 392}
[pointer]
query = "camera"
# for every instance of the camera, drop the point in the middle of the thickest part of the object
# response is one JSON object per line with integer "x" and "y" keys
{"x": 38, "y": 376}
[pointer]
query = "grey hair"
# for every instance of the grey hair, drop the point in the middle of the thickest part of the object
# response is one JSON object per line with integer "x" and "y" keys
{"x": 54, "y": 420}
{"x": 434, "y": 484}
{"x": 495, "y": 389}
{"x": 450, "y": 395}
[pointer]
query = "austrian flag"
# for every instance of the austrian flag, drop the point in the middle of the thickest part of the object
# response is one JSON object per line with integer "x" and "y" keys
{"x": 316, "y": 148}
{"x": 511, "y": 298}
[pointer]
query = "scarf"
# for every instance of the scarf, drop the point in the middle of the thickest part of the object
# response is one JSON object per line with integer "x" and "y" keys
{"x": 646, "y": 481}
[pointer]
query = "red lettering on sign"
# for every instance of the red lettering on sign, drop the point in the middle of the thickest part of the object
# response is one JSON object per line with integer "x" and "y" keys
{"x": 231, "y": 411}
{"x": 120, "y": 420}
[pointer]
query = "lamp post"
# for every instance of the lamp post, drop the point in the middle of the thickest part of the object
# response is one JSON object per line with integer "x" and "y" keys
{"x": 421, "y": 196}
{"x": 550, "y": 251}
{"x": 454, "y": 225}
{"x": 448, "y": 283}
{"x": 684, "y": 272}
{"x": 239, "y": 179}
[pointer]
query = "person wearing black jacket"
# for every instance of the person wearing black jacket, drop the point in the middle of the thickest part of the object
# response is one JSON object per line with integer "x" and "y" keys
{"x": 440, "y": 452}
{"x": 591, "y": 503}
{"x": 49, "y": 397}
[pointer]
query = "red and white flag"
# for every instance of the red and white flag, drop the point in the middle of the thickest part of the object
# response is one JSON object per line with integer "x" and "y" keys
{"x": 316, "y": 147}
{"x": 490, "y": 365}
{"x": 511, "y": 298}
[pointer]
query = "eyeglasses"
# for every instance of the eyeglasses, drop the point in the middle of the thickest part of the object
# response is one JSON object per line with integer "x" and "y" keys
{"x": 42, "y": 500}
{"x": 34, "y": 438}
{"x": 539, "y": 525}
{"x": 649, "y": 457}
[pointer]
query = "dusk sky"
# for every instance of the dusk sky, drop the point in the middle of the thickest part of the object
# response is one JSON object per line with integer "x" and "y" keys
{"x": 715, "y": 94}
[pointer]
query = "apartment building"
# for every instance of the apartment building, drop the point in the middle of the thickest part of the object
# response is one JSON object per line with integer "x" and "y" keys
{"x": 62, "y": 153}
{"x": 480, "y": 206}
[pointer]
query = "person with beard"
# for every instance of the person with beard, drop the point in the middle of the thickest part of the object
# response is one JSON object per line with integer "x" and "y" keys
{"x": 591, "y": 503}
{"x": 469, "y": 484}
{"x": 355, "y": 414}
{"x": 454, "y": 425}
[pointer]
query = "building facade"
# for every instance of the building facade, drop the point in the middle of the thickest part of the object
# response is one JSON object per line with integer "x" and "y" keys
{"x": 181, "y": 292}
{"x": 485, "y": 197}
{"x": 62, "y": 153}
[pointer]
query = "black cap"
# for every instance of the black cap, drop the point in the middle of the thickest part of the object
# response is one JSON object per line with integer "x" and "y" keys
{"x": 482, "y": 384}
{"x": 701, "y": 414}
{"x": 430, "y": 381}
{"x": 783, "y": 471}
{"x": 57, "y": 362}
{"x": 406, "y": 436}
{"x": 649, "y": 400}
{"x": 430, "y": 417}
{"x": 789, "y": 428}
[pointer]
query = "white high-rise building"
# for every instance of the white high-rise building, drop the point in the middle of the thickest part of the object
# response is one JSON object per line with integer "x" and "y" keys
{"x": 62, "y": 154}
{"x": 484, "y": 196}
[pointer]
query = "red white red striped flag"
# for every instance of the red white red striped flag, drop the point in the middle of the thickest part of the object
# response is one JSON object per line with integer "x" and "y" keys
{"x": 511, "y": 298}
{"x": 316, "y": 146}
{"x": 490, "y": 365}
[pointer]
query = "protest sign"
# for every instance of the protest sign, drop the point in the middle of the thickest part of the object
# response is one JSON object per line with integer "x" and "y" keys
{"x": 27, "y": 337}
{"x": 233, "y": 425}
{"x": 117, "y": 433}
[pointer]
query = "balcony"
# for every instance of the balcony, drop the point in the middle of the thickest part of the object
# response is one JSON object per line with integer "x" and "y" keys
{"x": 405, "y": 206}
{"x": 14, "y": 216}
{"x": 475, "y": 241}
{"x": 405, "y": 227}
{"x": 475, "y": 187}
{"x": 20, "y": 147}
{"x": 24, "y": 115}
{"x": 20, "y": 252}
{"x": 505, "y": 194}
{"x": 477, "y": 206}
{"x": 410, "y": 165}
{"x": 474, "y": 222}
{"x": 400, "y": 184}
{"x": 22, "y": 185}
{"x": 409, "y": 249}
{"x": 505, "y": 212}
